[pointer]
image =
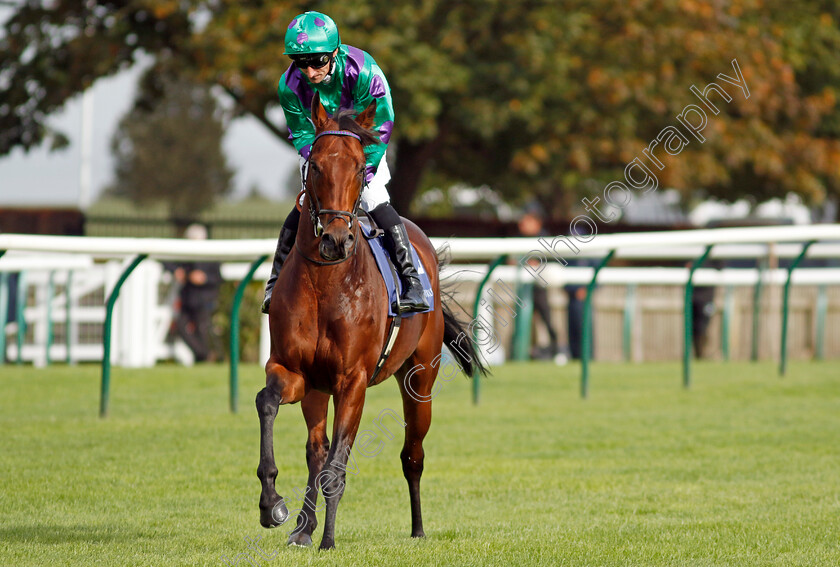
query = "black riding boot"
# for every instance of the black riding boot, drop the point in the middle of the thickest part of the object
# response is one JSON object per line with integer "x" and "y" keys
{"x": 284, "y": 247}
{"x": 397, "y": 244}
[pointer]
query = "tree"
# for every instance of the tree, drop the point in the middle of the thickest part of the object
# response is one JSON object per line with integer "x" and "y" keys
{"x": 169, "y": 147}
{"x": 529, "y": 96}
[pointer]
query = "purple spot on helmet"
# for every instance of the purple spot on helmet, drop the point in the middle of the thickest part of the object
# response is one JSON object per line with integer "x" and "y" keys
{"x": 377, "y": 87}
{"x": 302, "y": 38}
{"x": 319, "y": 22}
{"x": 293, "y": 23}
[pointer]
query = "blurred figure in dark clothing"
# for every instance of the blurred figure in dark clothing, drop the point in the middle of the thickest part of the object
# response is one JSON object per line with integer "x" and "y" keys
{"x": 702, "y": 310}
{"x": 11, "y": 300}
{"x": 531, "y": 224}
{"x": 199, "y": 293}
{"x": 576, "y": 294}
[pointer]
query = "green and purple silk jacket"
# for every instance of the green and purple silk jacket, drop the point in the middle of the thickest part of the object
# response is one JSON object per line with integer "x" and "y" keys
{"x": 355, "y": 82}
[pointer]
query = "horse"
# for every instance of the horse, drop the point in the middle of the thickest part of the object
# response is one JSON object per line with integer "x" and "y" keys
{"x": 328, "y": 322}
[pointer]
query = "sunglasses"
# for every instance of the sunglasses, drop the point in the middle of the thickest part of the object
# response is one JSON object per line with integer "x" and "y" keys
{"x": 316, "y": 60}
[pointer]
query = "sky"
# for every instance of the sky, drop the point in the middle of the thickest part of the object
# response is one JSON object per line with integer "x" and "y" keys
{"x": 42, "y": 178}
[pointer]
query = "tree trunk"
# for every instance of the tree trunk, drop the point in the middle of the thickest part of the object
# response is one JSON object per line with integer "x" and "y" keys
{"x": 412, "y": 160}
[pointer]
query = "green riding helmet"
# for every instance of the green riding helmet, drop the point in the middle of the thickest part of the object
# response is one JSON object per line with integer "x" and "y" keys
{"x": 311, "y": 32}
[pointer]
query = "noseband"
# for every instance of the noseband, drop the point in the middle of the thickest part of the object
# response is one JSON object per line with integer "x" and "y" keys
{"x": 315, "y": 210}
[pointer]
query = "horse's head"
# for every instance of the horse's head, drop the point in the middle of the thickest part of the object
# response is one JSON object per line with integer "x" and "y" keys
{"x": 336, "y": 176}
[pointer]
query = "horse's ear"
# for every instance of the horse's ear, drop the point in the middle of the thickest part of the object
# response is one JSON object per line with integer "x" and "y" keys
{"x": 319, "y": 113}
{"x": 365, "y": 119}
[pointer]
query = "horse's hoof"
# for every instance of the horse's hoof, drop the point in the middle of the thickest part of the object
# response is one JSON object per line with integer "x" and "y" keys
{"x": 274, "y": 517}
{"x": 419, "y": 533}
{"x": 326, "y": 545}
{"x": 300, "y": 540}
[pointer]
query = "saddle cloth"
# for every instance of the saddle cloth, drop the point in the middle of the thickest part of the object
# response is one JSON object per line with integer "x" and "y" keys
{"x": 383, "y": 262}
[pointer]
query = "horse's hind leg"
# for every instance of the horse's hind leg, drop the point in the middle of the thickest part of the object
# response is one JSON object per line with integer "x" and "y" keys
{"x": 314, "y": 406}
{"x": 416, "y": 388}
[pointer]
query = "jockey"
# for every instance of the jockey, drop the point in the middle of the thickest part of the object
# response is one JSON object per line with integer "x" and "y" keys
{"x": 346, "y": 78}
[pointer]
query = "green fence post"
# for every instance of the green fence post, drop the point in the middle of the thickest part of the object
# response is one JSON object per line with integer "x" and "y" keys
{"x": 4, "y": 311}
{"x": 476, "y": 377}
{"x": 586, "y": 346}
{"x": 234, "y": 332}
{"x": 688, "y": 333}
{"x": 726, "y": 322}
{"x": 786, "y": 307}
{"x": 19, "y": 315}
{"x": 105, "y": 386}
{"x": 629, "y": 315}
{"x": 756, "y": 320}
{"x": 49, "y": 321}
{"x": 522, "y": 324}
{"x": 67, "y": 312}
{"x": 822, "y": 310}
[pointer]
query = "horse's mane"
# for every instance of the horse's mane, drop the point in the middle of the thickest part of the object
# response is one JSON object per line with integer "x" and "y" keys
{"x": 346, "y": 120}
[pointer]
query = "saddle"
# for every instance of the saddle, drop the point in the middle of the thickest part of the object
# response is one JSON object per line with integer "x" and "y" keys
{"x": 374, "y": 237}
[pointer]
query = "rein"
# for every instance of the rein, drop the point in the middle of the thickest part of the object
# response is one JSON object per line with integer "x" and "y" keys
{"x": 315, "y": 210}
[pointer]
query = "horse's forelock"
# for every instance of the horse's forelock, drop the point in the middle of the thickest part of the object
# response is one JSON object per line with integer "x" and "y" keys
{"x": 346, "y": 120}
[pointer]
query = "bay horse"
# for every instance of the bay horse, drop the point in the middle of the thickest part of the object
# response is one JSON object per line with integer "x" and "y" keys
{"x": 329, "y": 321}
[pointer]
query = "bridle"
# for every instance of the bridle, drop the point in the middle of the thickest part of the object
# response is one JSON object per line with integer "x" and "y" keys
{"x": 315, "y": 210}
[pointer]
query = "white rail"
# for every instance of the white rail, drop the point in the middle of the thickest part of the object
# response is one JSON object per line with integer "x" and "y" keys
{"x": 666, "y": 244}
{"x": 44, "y": 254}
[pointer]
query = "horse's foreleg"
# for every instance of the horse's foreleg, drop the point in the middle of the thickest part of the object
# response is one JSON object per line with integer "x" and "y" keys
{"x": 416, "y": 389}
{"x": 273, "y": 510}
{"x": 314, "y": 406}
{"x": 331, "y": 480}
{"x": 282, "y": 387}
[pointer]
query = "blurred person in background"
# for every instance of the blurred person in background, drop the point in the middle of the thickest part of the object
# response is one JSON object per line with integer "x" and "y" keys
{"x": 11, "y": 304}
{"x": 199, "y": 293}
{"x": 703, "y": 308}
{"x": 531, "y": 225}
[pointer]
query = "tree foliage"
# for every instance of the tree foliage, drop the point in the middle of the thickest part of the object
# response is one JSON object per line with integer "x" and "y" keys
{"x": 168, "y": 149}
{"x": 529, "y": 96}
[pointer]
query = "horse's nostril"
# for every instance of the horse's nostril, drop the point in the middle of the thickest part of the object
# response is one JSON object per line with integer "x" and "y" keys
{"x": 348, "y": 243}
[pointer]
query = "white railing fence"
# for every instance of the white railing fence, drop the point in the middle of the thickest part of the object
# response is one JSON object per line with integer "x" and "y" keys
{"x": 140, "y": 320}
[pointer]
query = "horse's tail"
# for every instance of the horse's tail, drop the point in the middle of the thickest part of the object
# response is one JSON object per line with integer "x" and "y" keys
{"x": 456, "y": 334}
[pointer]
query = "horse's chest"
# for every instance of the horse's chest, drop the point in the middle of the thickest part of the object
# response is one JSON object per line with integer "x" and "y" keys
{"x": 346, "y": 302}
{"x": 348, "y": 311}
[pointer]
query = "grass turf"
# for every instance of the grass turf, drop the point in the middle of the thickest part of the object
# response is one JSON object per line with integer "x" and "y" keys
{"x": 740, "y": 470}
